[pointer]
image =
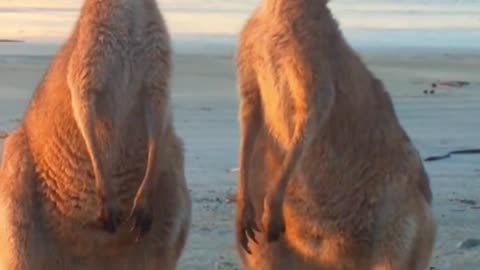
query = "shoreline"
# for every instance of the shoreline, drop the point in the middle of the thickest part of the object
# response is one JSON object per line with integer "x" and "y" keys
{"x": 227, "y": 47}
{"x": 11, "y": 41}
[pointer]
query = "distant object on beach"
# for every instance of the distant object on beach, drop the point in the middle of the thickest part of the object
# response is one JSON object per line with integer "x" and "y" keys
{"x": 456, "y": 84}
{"x": 3, "y": 134}
{"x": 445, "y": 84}
{"x": 469, "y": 243}
{"x": 457, "y": 152}
{"x": 431, "y": 92}
{"x": 11, "y": 41}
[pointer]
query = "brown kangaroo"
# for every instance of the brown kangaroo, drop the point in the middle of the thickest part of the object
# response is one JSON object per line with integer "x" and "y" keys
{"x": 97, "y": 148}
{"x": 328, "y": 179}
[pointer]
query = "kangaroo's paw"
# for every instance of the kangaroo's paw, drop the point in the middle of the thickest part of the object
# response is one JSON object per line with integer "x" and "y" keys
{"x": 110, "y": 218}
{"x": 246, "y": 226}
{"x": 273, "y": 222}
{"x": 141, "y": 217}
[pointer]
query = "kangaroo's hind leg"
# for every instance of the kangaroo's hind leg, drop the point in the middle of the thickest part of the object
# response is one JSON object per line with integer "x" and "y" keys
{"x": 22, "y": 239}
{"x": 421, "y": 255}
{"x": 406, "y": 240}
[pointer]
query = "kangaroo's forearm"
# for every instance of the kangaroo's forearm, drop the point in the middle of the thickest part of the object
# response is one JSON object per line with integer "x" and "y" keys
{"x": 86, "y": 117}
{"x": 288, "y": 167}
{"x": 156, "y": 116}
{"x": 251, "y": 125}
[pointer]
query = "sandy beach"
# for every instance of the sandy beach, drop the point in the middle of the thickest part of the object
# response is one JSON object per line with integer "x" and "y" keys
{"x": 205, "y": 112}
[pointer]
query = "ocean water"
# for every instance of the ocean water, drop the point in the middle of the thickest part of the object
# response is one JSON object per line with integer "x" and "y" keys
{"x": 377, "y": 23}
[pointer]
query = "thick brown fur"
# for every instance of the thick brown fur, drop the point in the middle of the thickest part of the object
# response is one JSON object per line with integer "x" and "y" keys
{"x": 328, "y": 178}
{"x": 93, "y": 177}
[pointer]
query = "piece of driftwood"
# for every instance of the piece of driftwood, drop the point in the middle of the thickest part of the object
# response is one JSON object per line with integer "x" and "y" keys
{"x": 456, "y": 152}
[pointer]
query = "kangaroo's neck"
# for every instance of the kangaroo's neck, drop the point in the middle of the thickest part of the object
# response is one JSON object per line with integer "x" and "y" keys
{"x": 294, "y": 6}
{"x": 108, "y": 4}
{"x": 118, "y": 11}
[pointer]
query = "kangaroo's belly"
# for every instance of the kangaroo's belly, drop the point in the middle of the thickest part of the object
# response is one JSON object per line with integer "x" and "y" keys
{"x": 66, "y": 187}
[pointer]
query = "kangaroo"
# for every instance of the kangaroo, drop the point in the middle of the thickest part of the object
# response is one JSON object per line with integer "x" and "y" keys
{"x": 328, "y": 178}
{"x": 93, "y": 176}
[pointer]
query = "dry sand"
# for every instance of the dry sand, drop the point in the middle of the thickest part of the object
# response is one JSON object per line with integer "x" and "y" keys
{"x": 205, "y": 111}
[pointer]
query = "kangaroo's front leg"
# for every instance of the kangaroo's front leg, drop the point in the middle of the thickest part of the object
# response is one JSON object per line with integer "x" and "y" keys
{"x": 156, "y": 98}
{"x": 312, "y": 92}
{"x": 90, "y": 68}
{"x": 251, "y": 121}
{"x": 156, "y": 119}
{"x": 86, "y": 118}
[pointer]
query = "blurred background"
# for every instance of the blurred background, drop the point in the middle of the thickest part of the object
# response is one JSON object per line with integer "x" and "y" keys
{"x": 438, "y": 23}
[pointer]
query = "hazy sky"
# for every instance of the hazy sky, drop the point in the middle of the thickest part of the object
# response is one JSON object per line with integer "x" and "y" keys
{"x": 52, "y": 19}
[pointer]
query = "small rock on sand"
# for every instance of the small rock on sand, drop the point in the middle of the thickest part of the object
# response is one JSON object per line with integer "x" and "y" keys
{"x": 206, "y": 109}
{"x": 465, "y": 201}
{"x": 231, "y": 198}
{"x": 3, "y": 134}
{"x": 469, "y": 243}
{"x": 234, "y": 170}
